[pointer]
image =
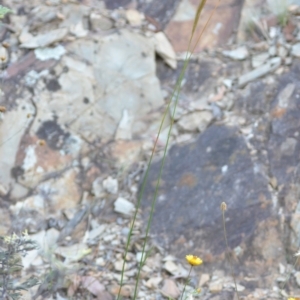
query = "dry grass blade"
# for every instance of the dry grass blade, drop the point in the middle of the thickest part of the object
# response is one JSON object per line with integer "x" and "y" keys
{"x": 199, "y": 10}
{"x": 206, "y": 24}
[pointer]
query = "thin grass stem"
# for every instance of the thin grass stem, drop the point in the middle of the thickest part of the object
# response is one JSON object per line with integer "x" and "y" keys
{"x": 228, "y": 253}
{"x": 186, "y": 282}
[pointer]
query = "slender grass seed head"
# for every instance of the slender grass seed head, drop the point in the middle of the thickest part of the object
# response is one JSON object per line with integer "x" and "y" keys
{"x": 223, "y": 206}
{"x": 41, "y": 142}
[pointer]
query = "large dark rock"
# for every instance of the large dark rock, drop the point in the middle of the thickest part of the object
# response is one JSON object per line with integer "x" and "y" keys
{"x": 196, "y": 179}
{"x": 284, "y": 143}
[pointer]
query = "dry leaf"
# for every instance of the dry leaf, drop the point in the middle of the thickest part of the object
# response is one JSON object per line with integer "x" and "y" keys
{"x": 74, "y": 284}
{"x": 170, "y": 289}
{"x": 92, "y": 285}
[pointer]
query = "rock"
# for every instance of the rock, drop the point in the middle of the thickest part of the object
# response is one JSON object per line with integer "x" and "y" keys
{"x": 204, "y": 278}
{"x": 272, "y": 50}
{"x": 170, "y": 266}
{"x": 124, "y": 131}
{"x": 96, "y": 232}
{"x": 195, "y": 121}
{"x": 76, "y": 227}
{"x": 295, "y": 51}
{"x": 259, "y": 59}
{"x": 228, "y": 83}
{"x": 240, "y": 53}
{"x": 239, "y": 287}
{"x": 133, "y": 17}
{"x": 282, "y": 51}
{"x": 72, "y": 253}
{"x": 123, "y": 206}
{"x": 50, "y": 53}
{"x": 273, "y": 32}
{"x": 98, "y": 187}
{"x": 297, "y": 277}
{"x": 125, "y": 153}
{"x": 119, "y": 265}
{"x": 254, "y": 100}
{"x": 164, "y": 49}
{"x": 270, "y": 66}
{"x": 126, "y": 290}
{"x": 222, "y": 160}
{"x": 3, "y": 56}
{"x": 284, "y": 140}
{"x": 78, "y": 30}
{"x": 9, "y": 146}
{"x": 46, "y": 39}
{"x": 110, "y": 185}
{"x": 100, "y": 22}
{"x": 170, "y": 289}
{"x": 285, "y": 94}
{"x": 288, "y": 61}
{"x": 216, "y": 286}
{"x": 142, "y": 87}
{"x": 153, "y": 282}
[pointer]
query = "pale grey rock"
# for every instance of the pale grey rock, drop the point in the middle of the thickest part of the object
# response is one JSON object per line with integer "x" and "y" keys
{"x": 164, "y": 49}
{"x": 98, "y": 187}
{"x": 110, "y": 185}
{"x": 285, "y": 94}
{"x": 240, "y": 53}
{"x": 288, "y": 61}
{"x": 273, "y": 32}
{"x": 272, "y": 50}
{"x": 134, "y": 17}
{"x": 124, "y": 130}
{"x": 228, "y": 83}
{"x": 282, "y": 51}
{"x": 96, "y": 232}
{"x": 100, "y": 22}
{"x": 195, "y": 121}
{"x": 46, "y": 39}
{"x": 128, "y": 58}
{"x": 13, "y": 124}
{"x": 270, "y": 66}
{"x": 295, "y": 51}
{"x": 123, "y": 206}
{"x": 259, "y": 59}
{"x": 50, "y": 53}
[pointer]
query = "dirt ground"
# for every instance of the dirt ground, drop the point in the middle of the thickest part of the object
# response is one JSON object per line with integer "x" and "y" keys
{"x": 84, "y": 86}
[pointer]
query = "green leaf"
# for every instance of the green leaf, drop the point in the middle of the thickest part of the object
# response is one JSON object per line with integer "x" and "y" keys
{"x": 3, "y": 11}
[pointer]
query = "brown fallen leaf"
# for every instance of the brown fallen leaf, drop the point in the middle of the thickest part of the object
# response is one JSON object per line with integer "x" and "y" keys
{"x": 92, "y": 285}
{"x": 104, "y": 296}
{"x": 170, "y": 289}
{"x": 126, "y": 290}
{"x": 220, "y": 94}
{"x": 74, "y": 285}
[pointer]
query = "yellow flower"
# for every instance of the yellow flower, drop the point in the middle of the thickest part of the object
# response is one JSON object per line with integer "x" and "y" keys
{"x": 9, "y": 239}
{"x": 293, "y": 298}
{"x": 193, "y": 260}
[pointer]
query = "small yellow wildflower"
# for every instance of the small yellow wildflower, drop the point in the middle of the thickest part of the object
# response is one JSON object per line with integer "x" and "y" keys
{"x": 193, "y": 260}
{"x": 9, "y": 239}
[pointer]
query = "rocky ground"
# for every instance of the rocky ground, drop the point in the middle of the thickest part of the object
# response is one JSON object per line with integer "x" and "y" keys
{"x": 84, "y": 86}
